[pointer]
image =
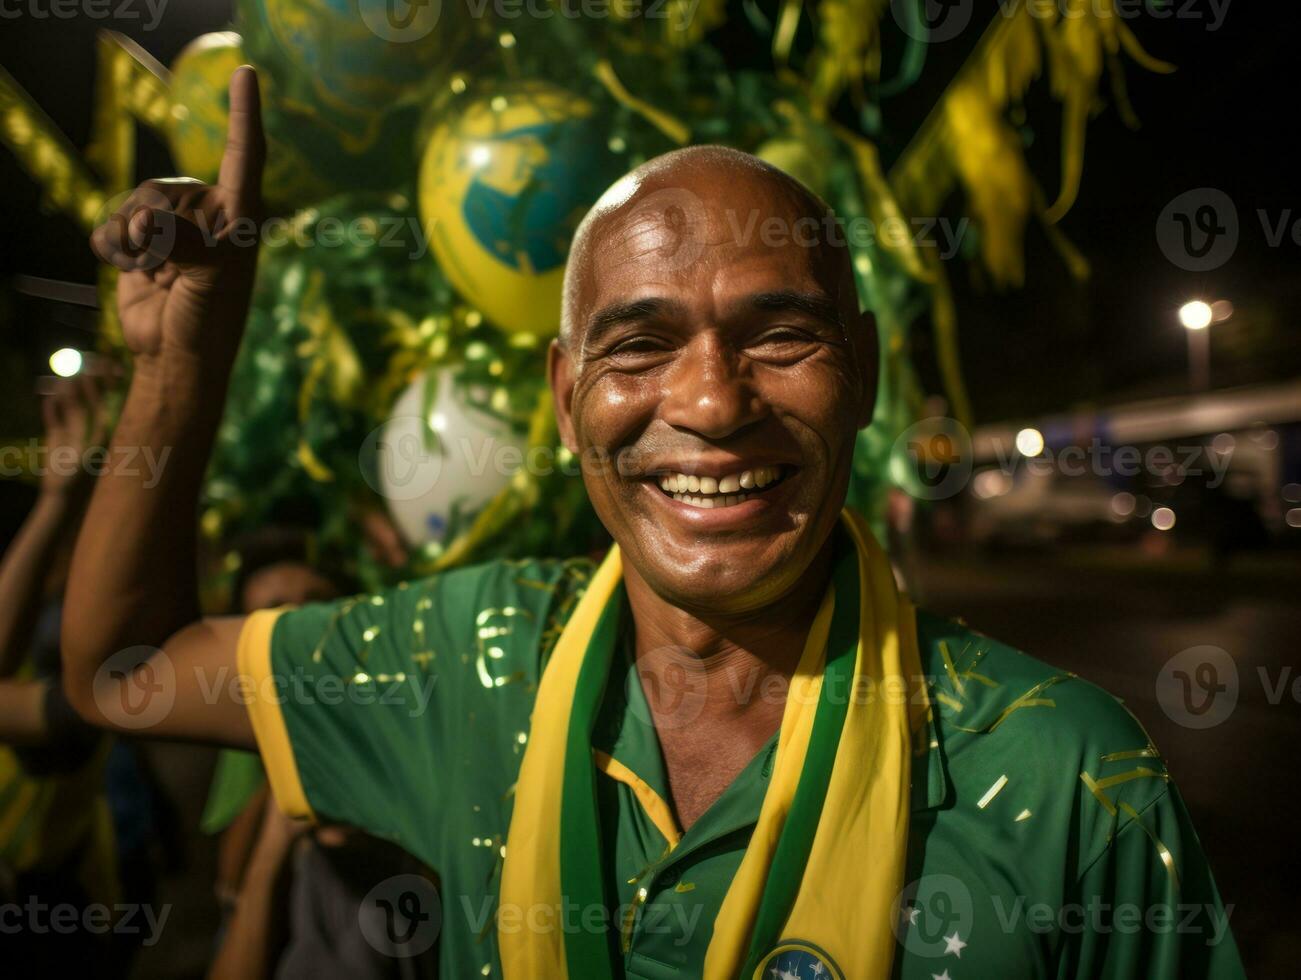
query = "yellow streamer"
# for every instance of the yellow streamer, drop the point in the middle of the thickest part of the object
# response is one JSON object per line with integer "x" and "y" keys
{"x": 673, "y": 128}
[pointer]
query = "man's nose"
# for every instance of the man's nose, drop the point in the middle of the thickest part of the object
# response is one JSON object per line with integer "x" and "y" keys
{"x": 709, "y": 391}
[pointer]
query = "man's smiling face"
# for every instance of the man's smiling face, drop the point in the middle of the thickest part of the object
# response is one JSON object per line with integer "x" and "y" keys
{"x": 712, "y": 375}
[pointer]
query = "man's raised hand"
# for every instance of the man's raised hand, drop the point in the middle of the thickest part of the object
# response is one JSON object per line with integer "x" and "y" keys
{"x": 188, "y": 250}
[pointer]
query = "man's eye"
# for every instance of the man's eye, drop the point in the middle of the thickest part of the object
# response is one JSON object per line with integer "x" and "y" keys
{"x": 784, "y": 341}
{"x": 640, "y": 345}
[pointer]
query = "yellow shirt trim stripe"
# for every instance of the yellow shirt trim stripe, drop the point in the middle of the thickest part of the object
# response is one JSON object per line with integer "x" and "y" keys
{"x": 656, "y": 808}
{"x": 263, "y": 696}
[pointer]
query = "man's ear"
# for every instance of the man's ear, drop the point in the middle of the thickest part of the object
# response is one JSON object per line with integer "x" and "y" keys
{"x": 560, "y": 372}
{"x": 867, "y": 349}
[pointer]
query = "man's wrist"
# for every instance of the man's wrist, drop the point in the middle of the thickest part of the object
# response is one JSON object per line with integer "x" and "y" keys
{"x": 176, "y": 388}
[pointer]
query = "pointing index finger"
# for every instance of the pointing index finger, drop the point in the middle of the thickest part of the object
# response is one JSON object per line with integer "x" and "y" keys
{"x": 241, "y": 164}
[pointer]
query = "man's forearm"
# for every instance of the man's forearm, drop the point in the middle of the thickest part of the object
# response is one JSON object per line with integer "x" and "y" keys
{"x": 132, "y": 580}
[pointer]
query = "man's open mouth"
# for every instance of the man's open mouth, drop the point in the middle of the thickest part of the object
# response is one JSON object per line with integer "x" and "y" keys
{"x": 724, "y": 491}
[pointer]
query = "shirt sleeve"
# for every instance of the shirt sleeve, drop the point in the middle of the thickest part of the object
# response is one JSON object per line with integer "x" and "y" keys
{"x": 339, "y": 695}
{"x": 1148, "y": 906}
{"x": 361, "y": 706}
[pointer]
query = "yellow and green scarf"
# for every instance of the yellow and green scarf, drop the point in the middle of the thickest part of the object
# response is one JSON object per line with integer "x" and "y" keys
{"x": 826, "y": 860}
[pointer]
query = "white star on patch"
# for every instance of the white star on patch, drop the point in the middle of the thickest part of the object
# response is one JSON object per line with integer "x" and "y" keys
{"x": 941, "y": 976}
{"x": 954, "y": 945}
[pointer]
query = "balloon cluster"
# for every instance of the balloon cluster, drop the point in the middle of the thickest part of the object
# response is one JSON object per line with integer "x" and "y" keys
{"x": 394, "y": 354}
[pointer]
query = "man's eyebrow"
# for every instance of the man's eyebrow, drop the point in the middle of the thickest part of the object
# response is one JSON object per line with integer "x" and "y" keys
{"x": 817, "y": 305}
{"x": 617, "y": 314}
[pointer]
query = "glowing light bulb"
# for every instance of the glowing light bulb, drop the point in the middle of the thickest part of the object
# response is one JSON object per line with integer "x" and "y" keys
{"x": 65, "y": 362}
{"x": 1196, "y": 315}
{"x": 1029, "y": 442}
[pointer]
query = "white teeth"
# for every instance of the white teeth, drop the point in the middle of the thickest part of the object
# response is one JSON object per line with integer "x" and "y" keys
{"x": 709, "y": 491}
{"x": 709, "y": 503}
{"x": 718, "y": 487}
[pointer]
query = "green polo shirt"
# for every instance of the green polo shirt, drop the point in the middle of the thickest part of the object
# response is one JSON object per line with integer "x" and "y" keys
{"x": 1046, "y": 837}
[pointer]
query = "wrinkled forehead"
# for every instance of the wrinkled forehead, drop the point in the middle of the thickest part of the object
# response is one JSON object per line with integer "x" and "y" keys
{"x": 720, "y": 231}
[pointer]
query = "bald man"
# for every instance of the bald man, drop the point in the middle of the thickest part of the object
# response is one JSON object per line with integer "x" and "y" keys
{"x": 732, "y": 748}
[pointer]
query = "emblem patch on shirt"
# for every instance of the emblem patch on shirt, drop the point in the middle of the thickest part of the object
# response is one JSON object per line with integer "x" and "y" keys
{"x": 797, "y": 960}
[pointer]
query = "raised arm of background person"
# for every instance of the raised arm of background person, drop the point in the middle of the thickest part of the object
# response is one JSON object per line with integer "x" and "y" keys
{"x": 256, "y": 933}
{"x": 74, "y": 421}
{"x": 187, "y": 255}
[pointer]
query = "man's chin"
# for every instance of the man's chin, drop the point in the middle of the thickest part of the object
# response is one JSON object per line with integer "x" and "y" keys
{"x": 722, "y": 573}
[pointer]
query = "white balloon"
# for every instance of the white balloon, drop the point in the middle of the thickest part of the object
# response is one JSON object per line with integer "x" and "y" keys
{"x": 442, "y": 464}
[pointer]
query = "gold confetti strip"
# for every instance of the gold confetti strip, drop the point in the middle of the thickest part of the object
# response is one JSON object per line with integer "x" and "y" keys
{"x": 530, "y": 583}
{"x": 1102, "y": 797}
{"x": 950, "y": 669}
{"x": 1167, "y": 858}
{"x": 1148, "y": 753}
{"x": 981, "y": 678}
{"x": 992, "y": 792}
{"x": 1141, "y": 772}
{"x": 1027, "y": 700}
{"x": 682, "y": 887}
{"x": 948, "y": 700}
{"x": 1098, "y": 787}
{"x": 1023, "y": 815}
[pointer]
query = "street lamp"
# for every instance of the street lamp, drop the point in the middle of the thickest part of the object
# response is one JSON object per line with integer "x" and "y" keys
{"x": 1196, "y": 316}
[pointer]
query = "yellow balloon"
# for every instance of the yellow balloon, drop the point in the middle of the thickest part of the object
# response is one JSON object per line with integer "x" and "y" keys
{"x": 503, "y": 185}
{"x": 200, "y": 104}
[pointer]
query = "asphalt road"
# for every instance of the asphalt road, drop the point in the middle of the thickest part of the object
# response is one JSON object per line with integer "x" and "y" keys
{"x": 1117, "y": 624}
